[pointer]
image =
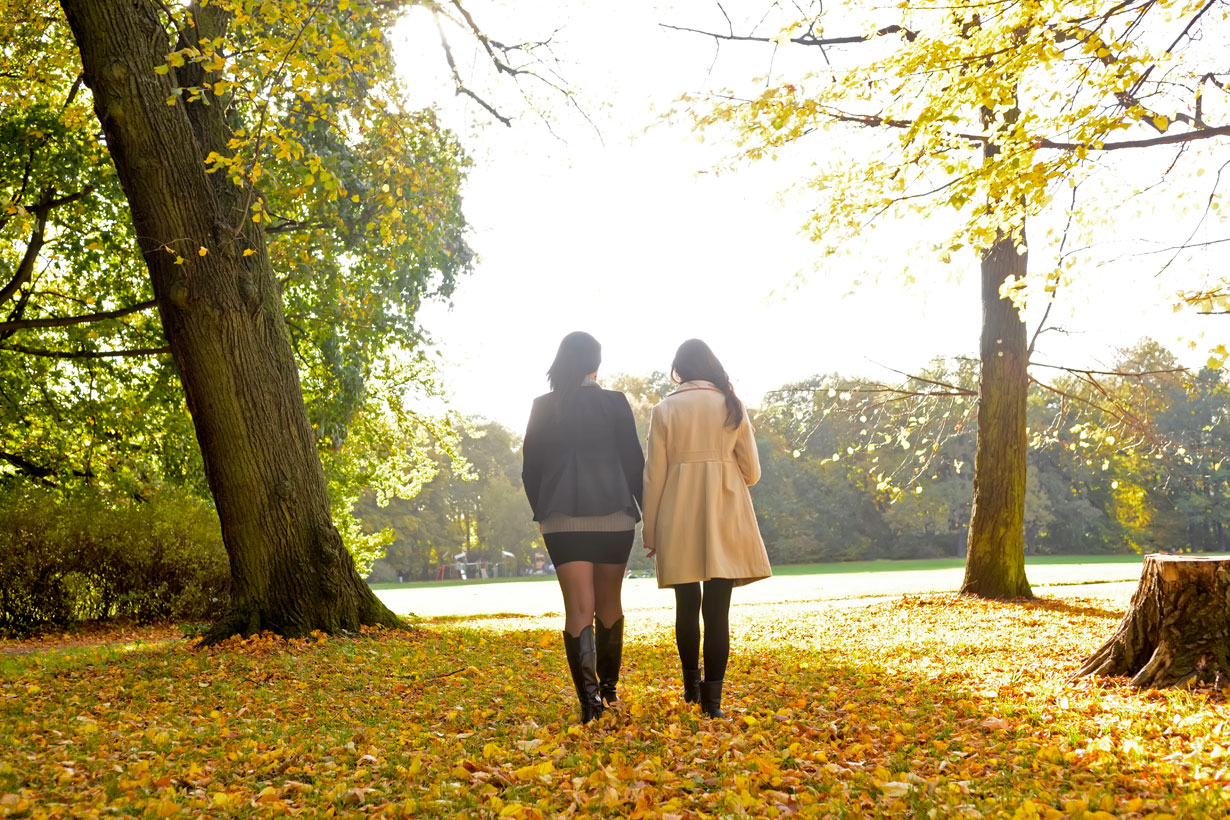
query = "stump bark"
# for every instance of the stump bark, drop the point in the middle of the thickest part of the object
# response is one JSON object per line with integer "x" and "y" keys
{"x": 1177, "y": 628}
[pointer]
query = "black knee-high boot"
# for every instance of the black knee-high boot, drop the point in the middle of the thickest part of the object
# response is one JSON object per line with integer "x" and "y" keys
{"x": 582, "y": 663}
{"x": 691, "y": 686}
{"x": 711, "y": 698}
{"x": 610, "y": 643}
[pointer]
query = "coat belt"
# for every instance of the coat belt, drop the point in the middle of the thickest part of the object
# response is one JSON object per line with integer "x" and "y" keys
{"x": 702, "y": 455}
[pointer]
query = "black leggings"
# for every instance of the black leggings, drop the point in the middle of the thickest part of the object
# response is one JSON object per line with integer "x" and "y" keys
{"x": 715, "y": 604}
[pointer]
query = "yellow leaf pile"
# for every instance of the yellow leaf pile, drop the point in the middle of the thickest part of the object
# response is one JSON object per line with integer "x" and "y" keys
{"x": 922, "y": 707}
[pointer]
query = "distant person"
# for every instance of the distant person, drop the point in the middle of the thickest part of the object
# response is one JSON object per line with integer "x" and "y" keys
{"x": 582, "y": 470}
{"x": 699, "y": 521}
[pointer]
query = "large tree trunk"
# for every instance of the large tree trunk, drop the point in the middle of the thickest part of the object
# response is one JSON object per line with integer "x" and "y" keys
{"x": 1177, "y": 628}
{"x": 222, "y": 315}
{"x": 995, "y": 561}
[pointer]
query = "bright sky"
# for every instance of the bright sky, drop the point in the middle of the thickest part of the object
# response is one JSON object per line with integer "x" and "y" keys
{"x": 632, "y": 238}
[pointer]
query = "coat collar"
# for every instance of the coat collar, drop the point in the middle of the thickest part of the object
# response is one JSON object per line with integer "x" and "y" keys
{"x": 698, "y": 384}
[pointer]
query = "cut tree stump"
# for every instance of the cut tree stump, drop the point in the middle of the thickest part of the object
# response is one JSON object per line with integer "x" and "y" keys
{"x": 1177, "y": 628}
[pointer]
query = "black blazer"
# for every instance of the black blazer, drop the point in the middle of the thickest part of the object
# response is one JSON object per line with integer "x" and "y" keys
{"x": 582, "y": 455}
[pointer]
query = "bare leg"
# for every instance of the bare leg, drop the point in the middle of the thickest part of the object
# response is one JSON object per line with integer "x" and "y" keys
{"x": 576, "y": 581}
{"x": 608, "y": 584}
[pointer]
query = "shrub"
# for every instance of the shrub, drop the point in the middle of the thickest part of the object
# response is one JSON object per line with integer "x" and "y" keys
{"x": 81, "y": 557}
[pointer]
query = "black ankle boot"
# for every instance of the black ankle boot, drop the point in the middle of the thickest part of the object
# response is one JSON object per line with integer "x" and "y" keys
{"x": 610, "y": 644}
{"x": 691, "y": 686}
{"x": 582, "y": 663}
{"x": 711, "y": 698}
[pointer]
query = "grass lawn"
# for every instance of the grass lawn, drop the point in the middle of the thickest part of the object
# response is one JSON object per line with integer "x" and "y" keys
{"x": 831, "y": 568}
{"x": 914, "y": 565}
{"x": 454, "y": 582}
{"x": 918, "y": 707}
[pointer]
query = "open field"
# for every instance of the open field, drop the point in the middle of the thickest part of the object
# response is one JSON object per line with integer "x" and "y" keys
{"x": 909, "y": 707}
{"x": 828, "y": 568}
{"x": 805, "y": 582}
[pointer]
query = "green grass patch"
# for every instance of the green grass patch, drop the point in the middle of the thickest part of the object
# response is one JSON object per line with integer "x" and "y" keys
{"x": 454, "y": 582}
{"x": 830, "y": 568}
{"x": 915, "y": 565}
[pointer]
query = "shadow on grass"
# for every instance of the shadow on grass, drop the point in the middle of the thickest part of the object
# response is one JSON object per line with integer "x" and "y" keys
{"x": 1044, "y": 604}
{"x": 445, "y": 620}
{"x": 65, "y": 657}
{"x": 1071, "y": 608}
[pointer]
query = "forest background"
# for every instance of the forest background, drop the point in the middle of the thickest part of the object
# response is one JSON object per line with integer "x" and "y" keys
{"x": 857, "y": 470}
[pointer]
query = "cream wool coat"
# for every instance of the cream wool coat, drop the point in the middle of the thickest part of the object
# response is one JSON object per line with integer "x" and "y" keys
{"x": 698, "y": 512}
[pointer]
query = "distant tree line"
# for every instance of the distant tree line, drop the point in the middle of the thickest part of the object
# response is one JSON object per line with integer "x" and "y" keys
{"x": 473, "y": 507}
{"x": 1136, "y": 464}
{"x": 1133, "y": 459}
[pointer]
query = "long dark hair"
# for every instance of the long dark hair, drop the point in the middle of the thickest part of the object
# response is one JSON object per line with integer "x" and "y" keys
{"x": 694, "y": 361}
{"x": 579, "y": 355}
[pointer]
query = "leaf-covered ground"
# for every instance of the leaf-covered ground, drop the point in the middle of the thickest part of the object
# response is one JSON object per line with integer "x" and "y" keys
{"x": 924, "y": 707}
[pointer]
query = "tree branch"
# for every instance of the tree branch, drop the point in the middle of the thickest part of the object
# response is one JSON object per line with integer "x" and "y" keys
{"x": 25, "y": 268}
{"x": 67, "y": 321}
{"x": 1081, "y": 371}
{"x": 29, "y": 468}
{"x": 1208, "y": 206}
{"x": 804, "y": 40}
{"x": 1195, "y": 18}
{"x": 876, "y": 121}
{"x": 86, "y": 354}
{"x": 1167, "y": 139}
{"x": 1054, "y": 292}
{"x": 292, "y": 225}
{"x": 458, "y": 85}
{"x": 1185, "y": 246}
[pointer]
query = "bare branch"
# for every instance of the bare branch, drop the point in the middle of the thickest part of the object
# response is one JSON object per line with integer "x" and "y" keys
{"x": 1138, "y": 374}
{"x": 1203, "y": 216}
{"x": 803, "y": 40}
{"x": 1055, "y": 290}
{"x": 961, "y": 391}
{"x": 1185, "y": 246}
{"x": 1186, "y": 29}
{"x": 460, "y": 86}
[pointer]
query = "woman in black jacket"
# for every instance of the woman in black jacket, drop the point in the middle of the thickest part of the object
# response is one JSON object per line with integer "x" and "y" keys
{"x": 582, "y": 470}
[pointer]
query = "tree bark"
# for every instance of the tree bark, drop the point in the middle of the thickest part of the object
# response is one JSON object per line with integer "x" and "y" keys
{"x": 995, "y": 559}
{"x": 222, "y": 316}
{"x": 1177, "y": 627}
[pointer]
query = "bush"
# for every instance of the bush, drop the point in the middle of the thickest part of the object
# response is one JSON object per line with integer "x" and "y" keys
{"x": 82, "y": 557}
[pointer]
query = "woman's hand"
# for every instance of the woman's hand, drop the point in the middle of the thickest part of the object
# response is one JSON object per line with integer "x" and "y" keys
{"x": 650, "y": 552}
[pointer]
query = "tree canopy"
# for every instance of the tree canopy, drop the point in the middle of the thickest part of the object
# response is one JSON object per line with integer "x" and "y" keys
{"x": 359, "y": 199}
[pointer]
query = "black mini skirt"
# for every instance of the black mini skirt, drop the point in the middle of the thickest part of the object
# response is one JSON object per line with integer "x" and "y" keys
{"x": 595, "y": 547}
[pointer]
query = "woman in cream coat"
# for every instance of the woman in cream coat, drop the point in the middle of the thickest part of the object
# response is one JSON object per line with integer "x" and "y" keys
{"x": 698, "y": 516}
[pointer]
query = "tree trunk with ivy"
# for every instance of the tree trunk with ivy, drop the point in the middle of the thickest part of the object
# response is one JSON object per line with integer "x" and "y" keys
{"x": 1177, "y": 627}
{"x": 221, "y": 311}
{"x": 995, "y": 559}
